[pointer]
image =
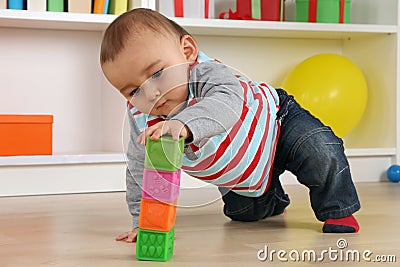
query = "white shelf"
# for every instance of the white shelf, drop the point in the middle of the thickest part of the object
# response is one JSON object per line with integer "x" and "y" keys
{"x": 63, "y": 159}
{"x": 210, "y": 27}
{"x": 219, "y": 27}
{"x": 54, "y": 20}
{"x": 370, "y": 152}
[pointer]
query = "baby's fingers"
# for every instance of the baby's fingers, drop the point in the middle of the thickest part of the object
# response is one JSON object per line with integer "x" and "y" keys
{"x": 131, "y": 238}
{"x": 158, "y": 133}
{"x": 176, "y": 133}
{"x": 141, "y": 140}
{"x": 122, "y": 236}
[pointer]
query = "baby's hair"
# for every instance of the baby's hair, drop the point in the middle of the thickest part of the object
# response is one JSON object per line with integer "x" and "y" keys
{"x": 132, "y": 23}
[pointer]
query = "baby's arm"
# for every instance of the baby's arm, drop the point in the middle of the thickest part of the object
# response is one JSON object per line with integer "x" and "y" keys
{"x": 134, "y": 178}
{"x": 220, "y": 100}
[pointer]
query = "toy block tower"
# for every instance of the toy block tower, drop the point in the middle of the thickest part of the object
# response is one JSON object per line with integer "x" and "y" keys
{"x": 161, "y": 181}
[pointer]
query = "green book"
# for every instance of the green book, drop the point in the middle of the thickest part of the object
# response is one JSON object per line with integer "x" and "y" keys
{"x": 55, "y": 5}
{"x": 118, "y": 7}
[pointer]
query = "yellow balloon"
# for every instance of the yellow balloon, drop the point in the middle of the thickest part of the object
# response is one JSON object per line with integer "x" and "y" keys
{"x": 332, "y": 88}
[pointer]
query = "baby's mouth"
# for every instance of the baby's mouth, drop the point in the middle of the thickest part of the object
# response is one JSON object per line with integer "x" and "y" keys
{"x": 161, "y": 104}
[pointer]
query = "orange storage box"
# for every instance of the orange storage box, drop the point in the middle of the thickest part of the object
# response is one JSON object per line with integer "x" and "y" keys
{"x": 24, "y": 135}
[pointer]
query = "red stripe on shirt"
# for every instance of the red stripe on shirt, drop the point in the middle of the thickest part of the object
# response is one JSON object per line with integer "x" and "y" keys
{"x": 256, "y": 158}
{"x": 209, "y": 161}
{"x": 242, "y": 151}
{"x": 154, "y": 121}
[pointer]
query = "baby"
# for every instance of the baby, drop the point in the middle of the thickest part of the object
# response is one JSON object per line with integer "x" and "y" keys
{"x": 240, "y": 135}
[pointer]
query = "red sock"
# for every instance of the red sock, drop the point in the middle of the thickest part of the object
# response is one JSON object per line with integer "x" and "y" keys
{"x": 341, "y": 225}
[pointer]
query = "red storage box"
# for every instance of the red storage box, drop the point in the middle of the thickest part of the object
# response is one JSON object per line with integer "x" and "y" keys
{"x": 23, "y": 135}
{"x": 260, "y": 9}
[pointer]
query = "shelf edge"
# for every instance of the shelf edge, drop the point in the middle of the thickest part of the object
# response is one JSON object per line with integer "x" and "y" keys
{"x": 246, "y": 28}
{"x": 63, "y": 159}
{"x": 370, "y": 152}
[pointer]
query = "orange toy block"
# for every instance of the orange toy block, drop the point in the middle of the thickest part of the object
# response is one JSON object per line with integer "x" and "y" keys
{"x": 156, "y": 215}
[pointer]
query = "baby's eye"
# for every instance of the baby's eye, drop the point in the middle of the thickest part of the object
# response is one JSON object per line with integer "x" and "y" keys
{"x": 134, "y": 92}
{"x": 157, "y": 74}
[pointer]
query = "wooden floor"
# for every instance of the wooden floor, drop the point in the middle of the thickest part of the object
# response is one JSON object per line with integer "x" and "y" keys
{"x": 79, "y": 230}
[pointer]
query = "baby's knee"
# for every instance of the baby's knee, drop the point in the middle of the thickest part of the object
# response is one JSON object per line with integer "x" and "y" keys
{"x": 321, "y": 158}
{"x": 324, "y": 147}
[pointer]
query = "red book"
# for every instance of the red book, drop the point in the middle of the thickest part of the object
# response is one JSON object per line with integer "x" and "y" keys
{"x": 178, "y": 4}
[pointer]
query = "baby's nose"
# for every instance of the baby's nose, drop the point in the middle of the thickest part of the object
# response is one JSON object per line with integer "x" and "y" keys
{"x": 152, "y": 93}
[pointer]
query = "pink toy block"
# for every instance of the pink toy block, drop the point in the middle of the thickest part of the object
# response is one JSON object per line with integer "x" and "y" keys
{"x": 161, "y": 185}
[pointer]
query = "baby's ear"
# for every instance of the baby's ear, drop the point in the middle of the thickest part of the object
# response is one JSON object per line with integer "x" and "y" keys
{"x": 189, "y": 47}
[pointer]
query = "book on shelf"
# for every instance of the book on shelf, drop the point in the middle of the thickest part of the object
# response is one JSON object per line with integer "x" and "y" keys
{"x": 80, "y": 6}
{"x": 118, "y": 7}
{"x": 36, "y": 5}
{"x": 3, "y": 4}
{"x": 134, "y": 4}
{"x": 141, "y": 3}
{"x": 150, "y": 4}
{"x": 106, "y": 6}
{"x": 187, "y": 8}
{"x": 55, "y": 5}
{"x": 15, "y": 4}
{"x": 98, "y": 6}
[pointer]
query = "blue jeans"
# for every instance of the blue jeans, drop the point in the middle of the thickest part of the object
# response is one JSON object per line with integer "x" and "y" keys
{"x": 315, "y": 155}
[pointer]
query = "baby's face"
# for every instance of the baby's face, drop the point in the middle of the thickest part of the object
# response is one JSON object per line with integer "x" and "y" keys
{"x": 152, "y": 73}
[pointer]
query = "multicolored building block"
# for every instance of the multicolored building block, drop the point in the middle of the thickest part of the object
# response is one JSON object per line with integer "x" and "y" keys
{"x": 161, "y": 181}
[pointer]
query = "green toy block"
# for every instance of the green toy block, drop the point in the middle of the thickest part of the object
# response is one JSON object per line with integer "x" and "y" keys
{"x": 154, "y": 245}
{"x": 164, "y": 154}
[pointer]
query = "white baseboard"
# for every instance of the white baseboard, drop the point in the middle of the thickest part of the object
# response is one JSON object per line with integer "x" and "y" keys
{"x": 100, "y": 177}
{"x": 61, "y": 179}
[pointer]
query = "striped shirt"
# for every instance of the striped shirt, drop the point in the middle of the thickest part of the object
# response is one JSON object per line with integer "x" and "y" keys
{"x": 237, "y": 153}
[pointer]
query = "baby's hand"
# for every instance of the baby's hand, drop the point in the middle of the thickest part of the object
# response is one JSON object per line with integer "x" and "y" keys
{"x": 173, "y": 127}
{"x": 129, "y": 237}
